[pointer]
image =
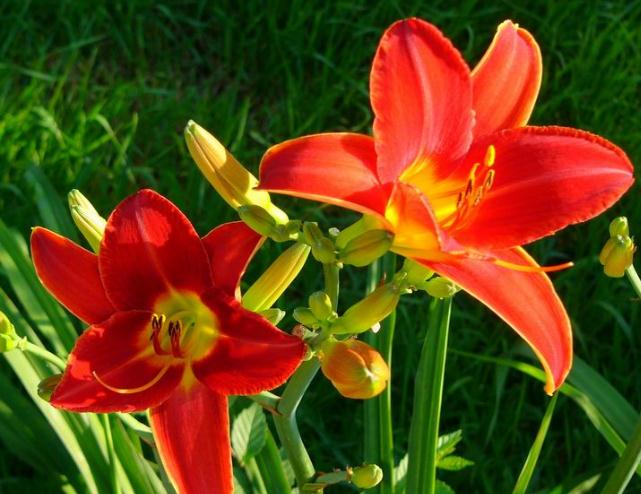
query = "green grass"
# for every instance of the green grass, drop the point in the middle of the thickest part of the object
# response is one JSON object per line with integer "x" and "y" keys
{"x": 96, "y": 94}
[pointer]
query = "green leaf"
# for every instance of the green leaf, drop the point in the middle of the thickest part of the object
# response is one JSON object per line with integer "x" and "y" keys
{"x": 443, "y": 488}
{"x": 454, "y": 463}
{"x": 248, "y": 433}
{"x": 447, "y": 443}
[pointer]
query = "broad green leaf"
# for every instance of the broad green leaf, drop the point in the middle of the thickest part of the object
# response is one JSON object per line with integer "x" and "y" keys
{"x": 248, "y": 433}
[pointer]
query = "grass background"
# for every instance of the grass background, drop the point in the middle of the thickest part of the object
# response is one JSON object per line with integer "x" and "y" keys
{"x": 96, "y": 94}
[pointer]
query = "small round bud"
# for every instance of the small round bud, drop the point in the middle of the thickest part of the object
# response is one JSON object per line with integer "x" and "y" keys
{"x": 274, "y": 316}
{"x": 8, "y": 337}
{"x": 321, "y": 305}
{"x": 366, "y": 247}
{"x": 322, "y": 247}
{"x": 367, "y": 476}
{"x": 619, "y": 226}
{"x": 616, "y": 256}
{"x": 305, "y": 316}
{"x": 355, "y": 369}
{"x": 440, "y": 287}
{"x": 416, "y": 272}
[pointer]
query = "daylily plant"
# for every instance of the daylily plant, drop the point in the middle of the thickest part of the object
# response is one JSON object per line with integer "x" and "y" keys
{"x": 167, "y": 332}
{"x": 459, "y": 179}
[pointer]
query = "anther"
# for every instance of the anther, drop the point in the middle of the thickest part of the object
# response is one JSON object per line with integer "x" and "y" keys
{"x": 490, "y": 156}
{"x": 489, "y": 180}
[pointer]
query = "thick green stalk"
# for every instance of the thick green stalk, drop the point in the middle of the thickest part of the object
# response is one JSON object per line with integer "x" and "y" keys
{"x": 379, "y": 439}
{"x": 631, "y": 457}
{"x": 111, "y": 454}
{"x": 428, "y": 395}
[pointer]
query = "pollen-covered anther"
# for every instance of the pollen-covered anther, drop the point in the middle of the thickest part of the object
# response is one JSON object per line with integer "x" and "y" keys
{"x": 175, "y": 331}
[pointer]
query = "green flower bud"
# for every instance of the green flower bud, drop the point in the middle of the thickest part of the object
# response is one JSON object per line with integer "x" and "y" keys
{"x": 363, "y": 225}
{"x": 89, "y": 222}
{"x": 305, "y": 316}
{"x": 258, "y": 219}
{"x": 367, "y": 476}
{"x": 275, "y": 280}
{"x": 274, "y": 316}
{"x": 322, "y": 247}
{"x": 619, "y": 226}
{"x": 321, "y": 305}
{"x": 416, "y": 273}
{"x": 616, "y": 256}
{"x": 440, "y": 287}
{"x": 47, "y": 386}
{"x": 366, "y": 247}
{"x": 8, "y": 337}
{"x": 368, "y": 312}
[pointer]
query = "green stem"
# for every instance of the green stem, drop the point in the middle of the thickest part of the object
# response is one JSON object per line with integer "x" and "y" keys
{"x": 631, "y": 457}
{"x": 330, "y": 272}
{"x": 271, "y": 466}
{"x": 379, "y": 439}
{"x": 428, "y": 395}
{"x": 47, "y": 356}
{"x": 111, "y": 454}
{"x": 269, "y": 401}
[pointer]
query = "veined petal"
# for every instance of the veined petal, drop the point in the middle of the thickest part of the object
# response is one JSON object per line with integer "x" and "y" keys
{"x": 150, "y": 247}
{"x": 416, "y": 233}
{"x": 230, "y": 247}
{"x": 250, "y": 354}
{"x": 506, "y": 82}
{"x": 422, "y": 99}
{"x": 116, "y": 355}
{"x": 525, "y": 301}
{"x": 546, "y": 178}
{"x": 70, "y": 273}
{"x": 336, "y": 168}
{"x": 191, "y": 430}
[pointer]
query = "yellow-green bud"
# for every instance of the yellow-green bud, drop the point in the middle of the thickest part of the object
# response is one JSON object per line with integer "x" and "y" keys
{"x": 321, "y": 305}
{"x": 368, "y": 312}
{"x": 8, "y": 337}
{"x": 274, "y": 316}
{"x": 47, "y": 385}
{"x": 416, "y": 273}
{"x": 363, "y": 225}
{"x": 89, "y": 222}
{"x": 305, "y": 316}
{"x": 275, "y": 280}
{"x": 232, "y": 181}
{"x": 440, "y": 287}
{"x": 355, "y": 369}
{"x": 367, "y": 476}
{"x": 322, "y": 247}
{"x": 616, "y": 256}
{"x": 366, "y": 247}
{"x": 258, "y": 219}
{"x": 619, "y": 226}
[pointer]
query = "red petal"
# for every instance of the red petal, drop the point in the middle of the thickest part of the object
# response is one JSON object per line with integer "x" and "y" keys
{"x": 70, "y": 273}
{"x": 230, "y": 247}
{"x": 338, "y": 168}
{"x": 526, "y": 301}
{"x": 546, "y": 179}
{"x": 191, "y": 430}
{"x": 250, "y": 354}
{"x": 506, "y": 81}
{"x": 150, "y": 247}
{"x": 416, "y": 233}
{"x": 422, "y": 99}
{"x": 119, "y": 353}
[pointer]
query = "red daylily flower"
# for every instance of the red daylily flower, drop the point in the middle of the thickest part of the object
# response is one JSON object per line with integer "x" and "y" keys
{"x": 454, "y": 174}
{"x": 167, "y": 331}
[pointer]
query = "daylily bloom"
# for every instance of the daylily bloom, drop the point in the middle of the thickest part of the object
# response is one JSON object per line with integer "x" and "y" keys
{"x": 167, "y": 332}
{"x": 455, "y": 174}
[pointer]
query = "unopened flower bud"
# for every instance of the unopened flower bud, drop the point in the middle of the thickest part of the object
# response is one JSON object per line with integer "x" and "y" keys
{"x": 619, "y": 226}
{"x": 368, "y": 312}
{"x": 367, "y": 476}
{"x": 616, "y": 256}
{"x": 322, "y": 246}
{"x": 89, "y": 222}
{"x": 363, "y": 225}
{"x": 366, "y": 247}
{"x": 440, "y": 287}
{"x": 321, "y": 305}
{"x": 274, "y": 316}
{"x": 232, "y": 181}
{"x": 47, "y": 386}
{"x": 416, "y": 273}
{"x": 258, "y": 219}
{"x": 275, "y": 280}
{"x": 355, "y": 369}
{"x": 305, "y": 316}
{"x": 8, "y": 337}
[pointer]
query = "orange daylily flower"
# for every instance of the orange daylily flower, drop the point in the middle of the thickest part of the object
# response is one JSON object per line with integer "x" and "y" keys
{"x": 455, "y": 174}
{"x": 167, "y": 332}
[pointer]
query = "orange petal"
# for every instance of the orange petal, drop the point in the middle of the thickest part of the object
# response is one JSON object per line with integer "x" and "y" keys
{"x": 191, "y": 430}
{"x": 506, "y": 81}
{"x": 70, "y": 273}
{"x": 546, "y": 178}
{"x": 117, "y": 353}
{"x": 230, "y": 247}
{"x": 421, "y": 94}
{"x": 336, "y": 168}
{"x": 525, "y": 301}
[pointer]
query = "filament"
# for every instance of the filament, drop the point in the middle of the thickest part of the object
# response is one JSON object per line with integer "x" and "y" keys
{"x": 139, "y": 389}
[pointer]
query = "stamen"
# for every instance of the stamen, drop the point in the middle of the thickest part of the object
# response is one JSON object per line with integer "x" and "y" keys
{"x": 490, "y": 156}
{"x": 175, "y": 330}
{"x": 139, "y": 389}
{"x": 489, "y": 180}
{"x": 532, "y": 269}
{"x": 157, "y": 323}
